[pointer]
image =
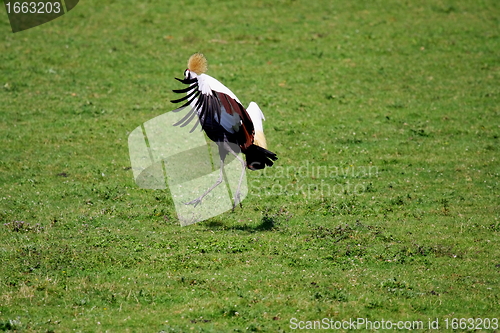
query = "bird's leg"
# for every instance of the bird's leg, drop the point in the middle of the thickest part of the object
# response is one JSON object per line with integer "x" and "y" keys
{"x": 196, "y": 201}
{"x": 237, "y": 199}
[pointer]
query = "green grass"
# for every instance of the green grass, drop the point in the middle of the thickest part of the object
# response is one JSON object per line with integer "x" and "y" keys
{"x": 384, "y": 203}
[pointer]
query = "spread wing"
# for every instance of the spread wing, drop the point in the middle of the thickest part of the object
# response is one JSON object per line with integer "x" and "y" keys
{"x": 193, "y": 97}
{"x": 214, "y": 105}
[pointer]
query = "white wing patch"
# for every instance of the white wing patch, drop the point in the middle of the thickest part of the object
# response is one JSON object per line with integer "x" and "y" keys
{"x": 230, "y": 122}
{"x": 215, "y": 85}
{"x": 203, "y": 85}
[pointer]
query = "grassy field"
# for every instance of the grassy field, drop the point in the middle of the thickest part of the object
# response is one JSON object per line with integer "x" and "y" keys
{"x": 384, "y": 203}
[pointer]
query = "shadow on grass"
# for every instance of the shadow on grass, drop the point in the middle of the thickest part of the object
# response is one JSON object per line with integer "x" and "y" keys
{"x": 267, "y": 223}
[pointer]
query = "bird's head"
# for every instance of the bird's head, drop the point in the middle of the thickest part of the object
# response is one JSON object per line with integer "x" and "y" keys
{"x": 197, "y": 65}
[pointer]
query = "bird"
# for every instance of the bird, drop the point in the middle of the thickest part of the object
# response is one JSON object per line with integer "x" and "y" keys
{"x": 224, "y": 120}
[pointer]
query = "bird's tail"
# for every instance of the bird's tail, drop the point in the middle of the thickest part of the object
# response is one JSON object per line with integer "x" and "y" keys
{"x": 258, "y": 157}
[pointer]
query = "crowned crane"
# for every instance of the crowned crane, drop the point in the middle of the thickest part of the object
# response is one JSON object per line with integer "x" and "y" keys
{"x": 224, "y": 120}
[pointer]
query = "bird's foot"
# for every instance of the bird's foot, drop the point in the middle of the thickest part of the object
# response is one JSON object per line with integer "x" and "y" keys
{"x": 194, "y": 202}
{"x": 237, "y": 200}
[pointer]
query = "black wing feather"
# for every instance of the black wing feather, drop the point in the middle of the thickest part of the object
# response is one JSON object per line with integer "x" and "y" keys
{"x": 189, "y": 114}
{"x": 182, "y": 107}
{"x": 192, "y": 114}
{"x": 185, "y": 97}
{"x": 197, "y": 122}
{"x": 187, "y": 81}
{"x": 186, "y": 104}
{"x": 203, "y": 108}
{"x": 185, "y": 90}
